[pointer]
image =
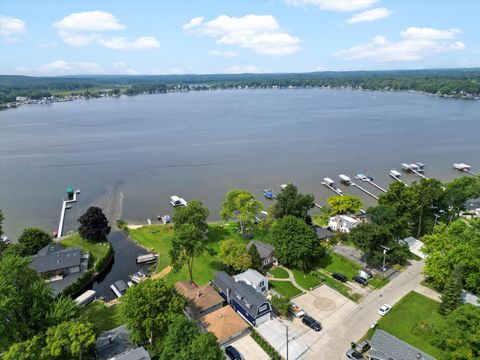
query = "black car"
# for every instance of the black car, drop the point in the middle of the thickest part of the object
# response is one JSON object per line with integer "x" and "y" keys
{"x": 232, "y": 353}
{"x": 362, "y": 281}
{"x": 339, "y": 277}
{"x": 312, "y": 323}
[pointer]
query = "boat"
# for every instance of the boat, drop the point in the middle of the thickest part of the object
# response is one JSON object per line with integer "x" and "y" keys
{"x": 462, "y": 166}
{"x": 394, "y": 173}
{"x": 86, "y": 298}
{"x": 328, "y": 181}
{"x": 268, "y": 193}
{"x": 345, "y": 179}
{"x": 138, "y": 276}
{"x": 363, "y": 177}
{"x": 148, "y": 258}
{"x": 130, "y": 284}
{"x": 283, "y": 186}
{"x": 119, "y": 288}
{"x": 78, "y": 191}
{"x": 4, "y": 239}
{"x": 406, "y": 167}
{"x": 177, "y": 201}
{"x": 415, "y": 167}
{"x": 420, "y": 165}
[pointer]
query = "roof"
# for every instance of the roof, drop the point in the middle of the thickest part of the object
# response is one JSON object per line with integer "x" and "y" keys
{"x": 264, "y": 250}
{"x": 348, "y": 219}
{"x": 199, "y": 297}
{"x": 388, "y": 347}
{"x": 250, "y": 276}
{"x": 247, "y": 293}
{"x": 50, "y": 248}
{"x": 113, "y": 342}
{"x": 224, "y": 323}
{"x": 322, "y": 233}
{"x": 472, "y": 204}
{"x": 415, "y": 246}
{"x": 134, "y": 354}
{"x": 56, "y": 260}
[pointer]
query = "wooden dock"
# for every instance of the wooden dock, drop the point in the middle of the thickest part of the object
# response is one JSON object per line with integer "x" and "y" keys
{"x": 364, "y": 190}
{"x": 398, "y": 179}
{"x": 332, "y": 188}
{"x": 62, "y": 213}
{"x": 377, "y": 186}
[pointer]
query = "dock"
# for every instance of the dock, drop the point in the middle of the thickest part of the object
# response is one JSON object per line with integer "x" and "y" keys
{"x": 364, "y": 190}
{"x": 66, "y": 205}
{"x": 335, "y": 190}
{"x": 465, "y": 168}
{"x": 417, "y": 169}
{"x": 396, "y": 176}
{"x": 268, "y": 193}
{"x": 377, "y": 186}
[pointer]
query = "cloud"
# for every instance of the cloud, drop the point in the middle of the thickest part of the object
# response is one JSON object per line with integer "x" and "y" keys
{"x": 417, "y": 44}
{"x": 119, "y": 67}
{"x": 370, "y": 15}
{"x": 192, "y": 23}
{"x": 242, "y": 69}
{"x": 61, "y": 67}
{"x": 335, "y": 5}
{"x": 258, "y": 33}
{"x": 12, "y": 29}
{"x": 85, "y": 28}
{"x": 224, "y": 54}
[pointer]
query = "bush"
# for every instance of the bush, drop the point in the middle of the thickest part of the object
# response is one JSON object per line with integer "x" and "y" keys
{"x": 122, "y": 225}
{"x": 281, "y": 305}
{"x": 274, "y": 355}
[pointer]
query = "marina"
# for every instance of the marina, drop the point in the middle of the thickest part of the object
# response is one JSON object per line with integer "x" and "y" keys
{"x": 396, "y": 176}
{"x": 417, "y": 169}
{"x": 348, "y": 181}
{"x": 330, "y": 184}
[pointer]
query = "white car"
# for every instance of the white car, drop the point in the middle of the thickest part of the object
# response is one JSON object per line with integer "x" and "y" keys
{"x": 384, "y": 309}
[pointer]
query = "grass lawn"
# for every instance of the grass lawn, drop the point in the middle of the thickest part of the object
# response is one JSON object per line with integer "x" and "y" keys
{"x": 306, "y": 280}
{"x": 278, "y": 273}
{"x": 335, "y": 263}
{"x": 285, "y": 288}
{"x": 337, "y": 285}
{"x": 378, "y": 281}
{"x": 96, "y": 250}
{"x": 104, "y": 318}
{"x": 412, "y": 320}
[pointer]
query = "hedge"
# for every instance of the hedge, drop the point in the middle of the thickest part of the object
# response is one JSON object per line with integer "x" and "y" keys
{"x": 274, "y": 355}
{"x": 100, "y": 263}
{"x": 81, "y": 281}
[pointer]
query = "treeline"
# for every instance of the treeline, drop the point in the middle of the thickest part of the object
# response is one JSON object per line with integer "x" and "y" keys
{"x": 452, "y": 82}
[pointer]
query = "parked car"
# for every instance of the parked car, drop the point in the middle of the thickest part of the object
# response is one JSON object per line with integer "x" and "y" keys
{"x": 384, "y": 309}
{"x": 339, "y": 277}
{"x": 312, "y": 323}
{"x": 362, "y": 346}
{"x": 296, "y": 310}
{"x": 362, "y": 281}
{"x": 352, "y": 354}
{"x": 232, "y": 353}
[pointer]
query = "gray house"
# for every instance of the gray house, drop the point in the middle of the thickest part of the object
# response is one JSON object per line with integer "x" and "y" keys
{"x": 264, "y": 250}
{"x": 116, "y": 345}
{"x": 388, "y": 347}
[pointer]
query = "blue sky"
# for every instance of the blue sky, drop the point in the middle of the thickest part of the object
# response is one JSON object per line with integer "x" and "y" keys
{"x": 165, "y": 37}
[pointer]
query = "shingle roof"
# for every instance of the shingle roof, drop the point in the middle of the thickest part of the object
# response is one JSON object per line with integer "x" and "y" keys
{"x": 241, "y": 292}
{"x": 224, "y": 323}
{"x": 472, "y": 204}
{"x": 250, "y": 276}
{"x": 113, "y": 342}
{"x": 199, "y": 297}
{"x": 135, "y": 354}
{"x": 56, "y": 260}
{"x": 264, "y": 250}
{"x": 388, "y": 347}
{"x": 322, "y": 233}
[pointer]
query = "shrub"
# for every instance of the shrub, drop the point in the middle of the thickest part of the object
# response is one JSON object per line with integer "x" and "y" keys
{"x": 100, "y": 263}
{"x": 281, "y": 305}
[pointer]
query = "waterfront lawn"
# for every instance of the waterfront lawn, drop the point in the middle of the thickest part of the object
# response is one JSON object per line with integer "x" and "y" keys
{"x": 97, "y": 250}
{"x": 278, "y": 273}
{"x": 336, "y": 263}
{"x": 285, "y": 288}
{"x": 104, "y": 318}
{"x": 413, "y": 319}
{"x": 306, "y": 280}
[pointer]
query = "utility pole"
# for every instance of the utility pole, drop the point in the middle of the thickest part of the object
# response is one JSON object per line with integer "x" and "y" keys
{"x": 287, "y": 340}
{"x": 385, "y": 249}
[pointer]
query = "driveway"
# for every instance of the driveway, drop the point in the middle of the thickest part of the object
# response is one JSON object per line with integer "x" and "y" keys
{"x": 249, "y": 349}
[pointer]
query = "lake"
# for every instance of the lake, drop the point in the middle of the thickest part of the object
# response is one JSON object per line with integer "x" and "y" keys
{"x": 201, "y": 144}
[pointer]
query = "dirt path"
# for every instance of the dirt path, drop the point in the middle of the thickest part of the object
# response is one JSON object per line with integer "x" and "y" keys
{"x": 162, "y": 273}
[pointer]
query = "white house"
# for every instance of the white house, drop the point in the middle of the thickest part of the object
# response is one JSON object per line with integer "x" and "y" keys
{"x": 472, "y": 208}
{"x": 342, "y": 223}
{"x": 415, "y": 246}
{"x": 254, "y": 279}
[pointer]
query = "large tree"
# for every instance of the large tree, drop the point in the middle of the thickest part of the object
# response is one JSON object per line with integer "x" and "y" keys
{"x": 234, "y": 256}
{"x": 429, "y": 201}
{"x": 452, "y": 245}
{"x": 31, "y": 349}
{"x": 62, "y": 309}
{"x": 296, "y": 243}
{"x": 459, "y": 335}
{"x": 452, "y": 294}
{"x": 389, "y": 218}
{"x": 344, "y": 204}
{"x": 70, "y": 339}
{"x": 256, "y": 261}
{"x": 459, "y": 190}
{"x": 291, "y": 202}
{"x": 149, "y": 308}
{"x": 94, "y": 225}
{"x": 242, "y": 205}
{"x": 32, "y": 240}
{"x": 24, "y": 301}
{"x": 187, "y": 244}
{"x": 195, "y": 213}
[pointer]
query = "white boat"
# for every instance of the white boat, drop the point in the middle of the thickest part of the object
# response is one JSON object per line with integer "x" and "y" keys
{"x": 4, "y": 240}
{"x": 148, "y": 258}
{"x": 119, "y": 287}
{"x": 78, "y": 191}
{"x": 177, "y": 201}
{"x": 362, "y": 177}
{"x": 68, "y": 206}
{"x": 283, "y": 186}
{"x": 87, "y": 297}
{"x": 328, "y": 181}
{"x": 394, "y": 173}
{"x": 461, "y": 166}
{"x": 138, "y": 276}
{"x": 345, "y": 179}
{"x": 406, "y": 167}
{"x": 420, "y": 165}
{"x": 415, "y": 167}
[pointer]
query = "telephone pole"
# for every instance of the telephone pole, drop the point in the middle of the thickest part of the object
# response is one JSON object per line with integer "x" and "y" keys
{"x": 385, "y": 249}
{"x": 287, "y": 340}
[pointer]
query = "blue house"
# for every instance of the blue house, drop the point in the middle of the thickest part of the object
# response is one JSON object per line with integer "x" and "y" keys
{"x": 244, "y": 299}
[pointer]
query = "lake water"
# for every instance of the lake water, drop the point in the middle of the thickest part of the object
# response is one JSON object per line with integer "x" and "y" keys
{"x": 201, "y": 144}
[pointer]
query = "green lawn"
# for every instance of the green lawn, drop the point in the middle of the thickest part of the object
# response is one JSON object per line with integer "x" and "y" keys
{"x": 306, "y": 280}
{"x": 96, "y": 250}
{"x": 413, "y": 319}
{"x": 337, "y": 285}
{"x": 104, "y": 318}
{"x": 335, "y": 263}
{"x": 278, "y": 273}
{"x": 285, "y": 288}
{"x": 378, "y": 282}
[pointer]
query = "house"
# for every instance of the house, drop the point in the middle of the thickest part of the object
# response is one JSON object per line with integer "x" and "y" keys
{"x": 415, "y": 246}
{"x": 388, "y": 347}
{"x": 342, "y": 223}
{"x": 201, "y": 300}
{"x": 225, "y": 324}
{"x": 254, "y": 279}
{"x": 116, "y": 345}
{"x": 472, "y": 207}
{"x": 322, "y": 233}
{"x": 244, "y": 299}
{"x": 264, "y": 250}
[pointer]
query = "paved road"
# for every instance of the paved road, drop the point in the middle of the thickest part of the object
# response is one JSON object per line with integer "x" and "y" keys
{"x": 334, "y": 342}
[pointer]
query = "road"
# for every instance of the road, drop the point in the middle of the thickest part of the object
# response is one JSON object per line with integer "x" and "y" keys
{"x": 335, "y": 341}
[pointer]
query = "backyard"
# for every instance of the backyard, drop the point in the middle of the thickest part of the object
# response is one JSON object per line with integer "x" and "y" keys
{"x": 104, "y": 318}
{"x": 285, "y": 288}
{"x": 97, "y": 250}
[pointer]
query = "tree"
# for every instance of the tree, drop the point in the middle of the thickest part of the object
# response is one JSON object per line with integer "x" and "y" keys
{"x": 31, "y": 349}
{"x": 1, "y": 222}
{"x": 70, "y": 339}
{"x": 455, "y": 244}
{"x": 94, "y": 225}
{"x": 234, "y": 256}
{"x": 344, "y": 204}
{"x": 149, "y": 308}
{"x": 388, "y": 217}
{"x": 242, "y": 205}
{"x": 256, "y": 261}
{"x": 459, "y": 335}
{"x": 429, "y": 195}
{"x": 33, "y": 239}
{"x": 24, "y": 301}
{"x": 281, "y": 305}
{"x": 458, "y": 191}
{"x": 452, "y": 294}
{"x": 296, "y": 243}
{"x": 291, "y": 202}
{"x": 195, "y": 213}
{"x": 187, "y": 244}
{"x": 63, "y": 309}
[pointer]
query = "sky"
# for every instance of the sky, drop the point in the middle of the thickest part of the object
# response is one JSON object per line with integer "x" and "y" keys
{"x": 53, "y": 38}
